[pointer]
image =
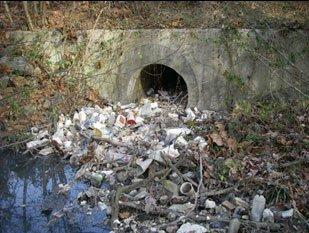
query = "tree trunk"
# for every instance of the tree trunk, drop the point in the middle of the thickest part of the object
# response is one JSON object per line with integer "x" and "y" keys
{"x": 30, "y": 25}
{"x": 7, "y": 9}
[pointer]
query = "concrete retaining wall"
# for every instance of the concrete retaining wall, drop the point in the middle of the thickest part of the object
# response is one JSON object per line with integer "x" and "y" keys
{"x": 218, "y": 66}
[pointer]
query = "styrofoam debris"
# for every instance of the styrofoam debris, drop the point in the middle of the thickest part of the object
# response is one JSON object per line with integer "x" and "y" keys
{"x": 46, "y": 151}
{"x": 36, "y": 143}
{"x": 180, "y": 141}
{"x": 173, "y": 133}
{"x": 170, "y": 151}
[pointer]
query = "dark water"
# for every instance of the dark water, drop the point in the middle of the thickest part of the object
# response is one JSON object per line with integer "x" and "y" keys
{"x": 28, "y": 197}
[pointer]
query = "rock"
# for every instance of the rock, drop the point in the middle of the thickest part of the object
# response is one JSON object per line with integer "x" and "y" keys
{"x": 96, "y": 179}
{"x": 268, "y": 216}
{"x": 121, "y": 176}
{"x": 191, "y": 228}
{"x": 150, "y": 204}
{"x": 228, "y": 205}
{"x": 241, "y": 202}
{"x": 142, "y": 194}
{"x": 164, "y": 200}
{"x": 288, "y": 213}
{"x": 37, "y": 72}
{"x": 171, "y": 229}
{"x": 258, "y": 206}
{"x": 209, "y": 204}
{"x": 17, "y": 81}
{"x": 171, "y": 216}
{"x": 4, "y": 81}
{"x": 18, "y": 65}
{"x": 181, "y": 208}
{"x": 170, "y": 186}
{"x": 234, "y": 225}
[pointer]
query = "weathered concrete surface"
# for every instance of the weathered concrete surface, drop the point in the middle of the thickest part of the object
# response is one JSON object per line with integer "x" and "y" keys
{"x": 218, "y": 67}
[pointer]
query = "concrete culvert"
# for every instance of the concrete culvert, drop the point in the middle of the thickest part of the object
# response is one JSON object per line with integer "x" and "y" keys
{"x": 165, "y": 81}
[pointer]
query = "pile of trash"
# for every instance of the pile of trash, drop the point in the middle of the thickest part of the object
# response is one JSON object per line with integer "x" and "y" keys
{"x": 153, "y": 158}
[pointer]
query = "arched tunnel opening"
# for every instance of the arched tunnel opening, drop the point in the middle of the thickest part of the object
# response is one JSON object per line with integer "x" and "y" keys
{"x": 165, "y": 83}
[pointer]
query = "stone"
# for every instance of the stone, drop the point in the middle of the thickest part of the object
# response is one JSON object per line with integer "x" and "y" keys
{"x": 258, "y": 206}
{"x": 209, "y": 204}
{"x": 268, "y": 216}
{"x": 96, "y": 179}
{"x": 121, "y": 176}
{"x": 4, "y": 81}
{"x": 228, "y": 205}
{"x": 171, "y": 229}
{"x": 18, "y": 65}
{"x": 37, "y": 72}
{"x": 191, "y": 228}
{"x": 234, "y": 225}
{"x": 241, "y": 202}
{"x": 18, "y": 81}
{"x": 181, "y": 208}
{"x": 288, "y": 213}
{"x": 171, "y": 187}
{"x": 171, "y": 216}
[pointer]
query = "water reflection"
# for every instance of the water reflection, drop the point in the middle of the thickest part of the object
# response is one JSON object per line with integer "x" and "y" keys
{"x": 27, "y": 186}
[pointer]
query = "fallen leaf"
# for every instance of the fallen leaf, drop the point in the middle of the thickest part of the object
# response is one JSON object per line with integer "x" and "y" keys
{"x": 216, "y": 138}
{"x": 124, "y": 215}
{"x": 92, "y": 96}
{"x": 232, "y": 144}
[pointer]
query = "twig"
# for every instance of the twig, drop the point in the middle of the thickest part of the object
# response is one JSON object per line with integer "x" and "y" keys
{"x": 195, "y": 201}
{"x": 300, "y": 214}
{"x": 179, "y": 173}
{"x": 14, "y": 143}
{"x": 121, "y": 190}
{"x": 299, "y": 161}
{"x": 218, "y": 192}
